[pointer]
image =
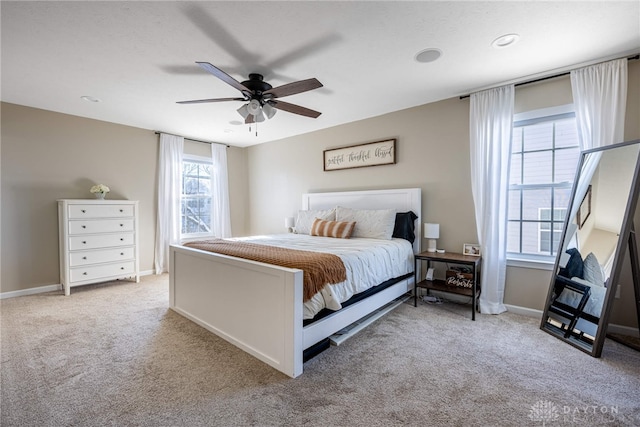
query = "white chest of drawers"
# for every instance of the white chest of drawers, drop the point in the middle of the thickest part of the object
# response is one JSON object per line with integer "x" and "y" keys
{"x": 98, "y": 241}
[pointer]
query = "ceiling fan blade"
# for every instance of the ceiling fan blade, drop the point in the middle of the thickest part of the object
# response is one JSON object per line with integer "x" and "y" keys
{"x": 293, "y": 88}
{"x": 295, "y": 109}
{"x": 223, "y": 76}
{"x": 201, "y": 101}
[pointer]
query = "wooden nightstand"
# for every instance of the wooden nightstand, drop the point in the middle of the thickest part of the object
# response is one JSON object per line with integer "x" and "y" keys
{"x": 475, "y": 262}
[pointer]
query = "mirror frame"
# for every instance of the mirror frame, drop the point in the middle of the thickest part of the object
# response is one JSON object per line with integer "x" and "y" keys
{"x": 621, "y": 245}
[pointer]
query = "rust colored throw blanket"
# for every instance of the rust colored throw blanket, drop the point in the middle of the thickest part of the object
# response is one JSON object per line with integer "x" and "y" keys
{"x": 319, "y": 268}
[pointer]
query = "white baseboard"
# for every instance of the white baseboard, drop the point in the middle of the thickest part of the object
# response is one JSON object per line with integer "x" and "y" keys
{"x": 613, "y": 328}
{"x": 31, "y": 291}
{"x": 524, "y": 311}
{"x": 47, "y": 288}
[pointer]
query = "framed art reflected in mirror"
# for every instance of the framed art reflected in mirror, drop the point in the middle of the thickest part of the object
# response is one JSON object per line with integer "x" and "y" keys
{"x": 585, "y": 209}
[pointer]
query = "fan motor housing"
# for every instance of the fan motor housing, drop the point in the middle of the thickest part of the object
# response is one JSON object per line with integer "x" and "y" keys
{"x": 256, "y": 84}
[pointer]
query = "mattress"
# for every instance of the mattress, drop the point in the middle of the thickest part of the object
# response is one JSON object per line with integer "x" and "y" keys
{"x": 368, "y": 262}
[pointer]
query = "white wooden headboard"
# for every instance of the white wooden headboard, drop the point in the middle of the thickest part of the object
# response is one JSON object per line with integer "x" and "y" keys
{"x": 401, "y": 199}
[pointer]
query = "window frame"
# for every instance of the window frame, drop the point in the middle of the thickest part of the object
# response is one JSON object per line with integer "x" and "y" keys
{"x": 544, "y": 262}
{"x": 192, "y": 158}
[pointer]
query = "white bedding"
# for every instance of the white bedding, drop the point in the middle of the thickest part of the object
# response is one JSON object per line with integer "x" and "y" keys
{"x": 368, "y": 263}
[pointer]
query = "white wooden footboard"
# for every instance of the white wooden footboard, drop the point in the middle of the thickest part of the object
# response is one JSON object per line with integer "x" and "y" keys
{"x": 256, "y": 307}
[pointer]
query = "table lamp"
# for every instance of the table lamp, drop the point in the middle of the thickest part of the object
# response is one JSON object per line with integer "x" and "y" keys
{"x": 289, "y": 223}
{"x": 431, "y": 232}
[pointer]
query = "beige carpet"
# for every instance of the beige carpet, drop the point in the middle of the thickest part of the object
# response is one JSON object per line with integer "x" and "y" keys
{"x": 115, "y": 355}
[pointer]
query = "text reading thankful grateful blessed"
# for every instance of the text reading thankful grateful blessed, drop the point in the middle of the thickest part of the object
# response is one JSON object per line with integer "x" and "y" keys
{"x": 380, "y": 153}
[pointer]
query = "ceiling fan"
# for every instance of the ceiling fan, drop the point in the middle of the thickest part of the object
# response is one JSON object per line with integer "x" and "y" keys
{"x": 262, "y": 99}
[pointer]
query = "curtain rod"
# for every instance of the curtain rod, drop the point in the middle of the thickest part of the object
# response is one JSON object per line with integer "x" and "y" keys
{"x": 195, "y": 140}
{"x": 547, "y": 77}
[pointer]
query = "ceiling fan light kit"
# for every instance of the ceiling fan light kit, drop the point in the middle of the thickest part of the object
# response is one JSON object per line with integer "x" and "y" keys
{"x": 261, "y": 97}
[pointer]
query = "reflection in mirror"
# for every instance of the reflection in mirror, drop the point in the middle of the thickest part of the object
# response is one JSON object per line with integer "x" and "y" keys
{"x": 595, "y": 236}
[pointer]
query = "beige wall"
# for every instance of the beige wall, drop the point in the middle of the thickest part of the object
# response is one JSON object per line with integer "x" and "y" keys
{"x": 48, "y": 156}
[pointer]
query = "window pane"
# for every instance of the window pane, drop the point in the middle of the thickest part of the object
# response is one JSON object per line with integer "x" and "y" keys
{"x": 538, "y": 168}
{"x": 561, "y": 198}
{"x": 538, "y": 136}
{"x": 566, "y": 164}
{"x": 515, "y": 170}
{"x": 530, "y": 238}
{"x": 532, "y": 201}
{"x": 513, "y": 237}
{"x": 545, "y": 241}
{"x": 566, "y": 133}
{"x": 514, "y": 204}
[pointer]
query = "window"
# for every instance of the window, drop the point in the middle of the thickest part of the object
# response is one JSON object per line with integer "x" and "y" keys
{"x": 544, "y": 158}
{"x": 196, "y": 196}
{"x": 545, "y": 238}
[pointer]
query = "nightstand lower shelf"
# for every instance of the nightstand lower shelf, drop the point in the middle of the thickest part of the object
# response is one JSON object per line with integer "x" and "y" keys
{"x": 440, "y": 285}
{"x": 474, "y": 263}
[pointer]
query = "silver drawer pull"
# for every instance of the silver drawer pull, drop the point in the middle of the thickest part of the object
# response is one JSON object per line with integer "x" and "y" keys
{"x": 84, "y": 274}
{"x": 84, "y": 242}
{"x": 121, "y": 225}
{"x": 121, "y": 268}
{"x": 121, "y": 210}
{"x": 122, "y": 253}
{"x": 84, "y": 226}
{"x": 84, "y": 257}
{"x": 121, "y": 239}
{"x": 84, "y": 211}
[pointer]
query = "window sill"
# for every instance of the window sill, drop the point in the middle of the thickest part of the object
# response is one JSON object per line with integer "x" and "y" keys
{"x": 192, "y": 237}
{"x": 537, "y": 264}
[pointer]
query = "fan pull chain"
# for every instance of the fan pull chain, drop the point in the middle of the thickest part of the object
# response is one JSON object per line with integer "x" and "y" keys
{"x": 256, "y": 123}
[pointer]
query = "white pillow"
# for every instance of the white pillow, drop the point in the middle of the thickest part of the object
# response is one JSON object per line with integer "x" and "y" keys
{"x": 592, "y": 270}
{"x": 374, "y": 224}
{"x": 305, "y": 219}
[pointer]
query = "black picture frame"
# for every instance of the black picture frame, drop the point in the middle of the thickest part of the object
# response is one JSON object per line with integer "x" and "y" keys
{"x": 585, "y": 209}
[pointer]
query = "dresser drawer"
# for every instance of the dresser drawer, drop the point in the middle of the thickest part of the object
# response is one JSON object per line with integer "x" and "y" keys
{"x": 91, "y": 226}
{"x": 98, "y": 271}
{"x": 103, "y": 255}
{"x": 97, "y": 241}
{"x": 100, "y": 211}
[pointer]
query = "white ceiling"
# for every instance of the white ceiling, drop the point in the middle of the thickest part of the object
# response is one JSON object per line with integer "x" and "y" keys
{"x": 138, "y": 58}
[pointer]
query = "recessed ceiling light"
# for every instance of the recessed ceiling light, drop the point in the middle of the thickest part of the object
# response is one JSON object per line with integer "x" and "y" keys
{"x": 89, "y": 98}
{"x": 505, "y": 41}
{"x": 428, "y": 55}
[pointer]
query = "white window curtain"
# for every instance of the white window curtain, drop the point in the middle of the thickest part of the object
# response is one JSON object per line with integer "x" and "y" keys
{"x": 600, "y": 99}
{"x": 600, "y": 102}
{"x": 490, "y": 128}
{"x": 169, "y": 193}
{"x": 220, "y": 211}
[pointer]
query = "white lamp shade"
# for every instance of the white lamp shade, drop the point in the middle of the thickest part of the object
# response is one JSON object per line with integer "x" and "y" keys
{"x": 289, "y": 222}
{"x": 268, "y": 110}
{"x": 431, "y": 231}
{"x": 243, "y": 111}
{"x": 253, "y": 107}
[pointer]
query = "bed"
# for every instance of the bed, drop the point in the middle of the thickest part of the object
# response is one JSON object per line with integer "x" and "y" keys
{"x": 259, "y": 307}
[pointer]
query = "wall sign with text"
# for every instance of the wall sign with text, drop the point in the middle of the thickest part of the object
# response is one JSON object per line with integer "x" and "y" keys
{"x": 358, "y": 156}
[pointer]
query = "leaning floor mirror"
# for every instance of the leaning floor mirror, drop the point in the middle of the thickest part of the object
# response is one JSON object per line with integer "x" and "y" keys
{"x": 598, "y": 235}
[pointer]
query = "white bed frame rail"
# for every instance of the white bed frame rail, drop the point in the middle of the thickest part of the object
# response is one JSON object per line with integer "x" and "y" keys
{"x": 258, "y": 307}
